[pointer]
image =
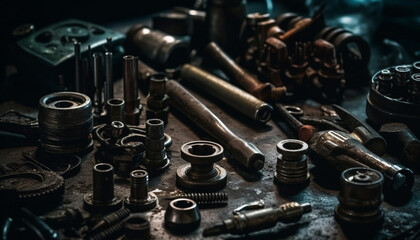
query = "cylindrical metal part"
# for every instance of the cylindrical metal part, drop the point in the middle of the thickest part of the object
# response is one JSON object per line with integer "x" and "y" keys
{"x": 132, "y": 112}
{"x": 109, "y": 77}
{"x": 102, "y": 198}
{"x": 140, "y": 199}
{"x": 182, "y": 216}
{"x": 77, "y": 67}
{"x": 157, "y": 100}
{"x": 98, "y": 82}
{"x": 137, "y": 228}
{"x": 292, "y": 164}
{"x": 155, "y": 158}
{"x": 224, "y": 20}
{"x": 414, "y": 88}
{"x": 360, "y": 196}
{"x": 402, "y": 76}
{"x": 169, "y": 51}
{"x": 233, "y": 96}
{"x": 264, "y": 91}
{"x": 385, "y": 82}
{"x": 115, "y": 110}
{"x": 304, "y": 132}
{"x": 416, "y": 67}
{"x": 206, "y": 198}
{"x": 65, "y": 123}
{"x": 103, "y": 183}
{"x": 245, "y": 153}
{"x": 201, "y": 174}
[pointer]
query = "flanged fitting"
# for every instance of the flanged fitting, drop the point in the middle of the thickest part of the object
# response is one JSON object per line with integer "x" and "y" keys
{"x": 157, "y": 100}
{"x": 137, "y": 228}
{"x": 182, "y": 216}
{"x": 140, "y": 199}
{"x": 102, "y": 199}
{"x": 292, "y": 164}
{"x": 155, "y": 158}
{"x": 65, "y": 122}
{"x": 360, "y": 197}
{"x": 201, "y": 174}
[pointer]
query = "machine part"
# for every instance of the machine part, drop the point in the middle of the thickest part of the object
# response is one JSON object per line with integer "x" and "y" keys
{"x": 228, "y": 93}
{"x": 155, "y": 159}
{"x": 273, "y": 61}
{"x": 414, "y": 88}
{"x": 29, "y": 218}
{"x": 65, "y": 123}
{"x": 224, "y": 20}
{"x": 384, "y": 108}
{"x": 402, "y": 143}
{"x": 109, "y": 220}
{"x": 401, "y": 78}
{"x": 98, "y": 107}
{"x": 109, "y": 78}
{"x": 137, "y": 228}
{"x": 341, "y": 151}
{"x": 203, "y": 198}
{"x": 77, "y": 67}
{"x": 297, "y": 63}
{"x": 170, "y": 51}
{"x": 174, "y": 23}
{"x": 112, "y": 232}
{"x": 249, "y": 206}
{"x": 361, "y": 131}
{"x": 35, "y": 189}
{"x": 304, "y": 131}
{"x": 115, "y": 110}
{"x": 243, "y": 152}
{"x": 66, "y": 166}
{"x": 385, "y": 82}
{"x": 102, "y": 199}
{"x": 132, "y": 109}
{"x": 243, "y": 223}
{"x": 360, "y": 196}
{"x": 16, "y": 122}
{"x": 140, "y": 199}
{"x": 182, "y": 216}
{"x": 65, "y": 218}
{"x": 264, "y": 91}
{"x": 143, "y": 75}
{"x": 51, "y": 50}
{"x": 157, "y": 100}
{"x": 292, "y": 163}
{"x": 201, "y": 173}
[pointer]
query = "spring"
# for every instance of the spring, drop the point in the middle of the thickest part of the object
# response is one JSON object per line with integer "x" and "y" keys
{"x": 206, "y": 198}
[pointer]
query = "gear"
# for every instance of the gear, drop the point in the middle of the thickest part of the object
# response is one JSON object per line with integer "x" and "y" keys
{"x": 35, "y": 188}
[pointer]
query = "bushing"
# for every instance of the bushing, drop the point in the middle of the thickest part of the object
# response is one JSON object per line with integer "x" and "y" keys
{"x": 292, "y": 164}
{"x": 360, "y": 197}
{"x": 140, "y": 199}
{"x": 137, "y": 228}
{"x": 115, "y": 110}
{"x": 132, "y": 105}
{"x": 182, "y": 216}
{"x": 65, "y": 123}
{"x": 102, "y": 199}
{"x": 155, "y": 158}
{"x": 157, "y": 100}
{"x": 201, "y": 174}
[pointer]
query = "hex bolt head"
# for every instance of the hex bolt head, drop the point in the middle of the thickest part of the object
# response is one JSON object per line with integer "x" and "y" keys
{"x": 140, "y": 199}
{"x": 102, "y": 199}
{"x": 292, "y": 165}
{"x": 201, "y": 174}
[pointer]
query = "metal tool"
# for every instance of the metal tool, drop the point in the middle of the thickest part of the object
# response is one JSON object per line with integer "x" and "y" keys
{"x": 132, "y": 109}
{"x": 102, "y": 199}
{"x": 249, "y": 206}
{"x": 243, "y": 152}
{"x": 304, "y": 131}
{"x": 182, "y": 216}
{"x": 201, "y": 174}
{"x": 252, "y": 221}
{"x": 342, "y": 151}
{"x": 360, "y": 197}
{"x": 292, "y": 164}
{"x": 264, "y": 91}
{"x": 109, "y": 220}
{"x": 140, "y": 199}
{"x": 402, "y": 143}
{"x": 228, "y": 93}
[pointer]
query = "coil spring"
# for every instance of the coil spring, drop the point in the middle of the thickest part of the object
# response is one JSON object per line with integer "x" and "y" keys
{"x": 206, "y": 198}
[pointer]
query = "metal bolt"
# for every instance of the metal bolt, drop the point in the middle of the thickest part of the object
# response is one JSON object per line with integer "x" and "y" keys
{"x": 155, "y": 158}
{"x": 292, "y": 166}
{"x": 385, "y": 81}
{"x": 102, "y": 199}
{"x": 402, "y": 76}
{"x": 414, "y": 88}
{"x": 140, "y": 199}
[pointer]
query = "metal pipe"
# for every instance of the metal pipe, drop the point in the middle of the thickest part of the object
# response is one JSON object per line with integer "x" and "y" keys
{"x": 97, "y": 80}
{"x": 77, "y": 67}
{"x": 229, "y": 94}
{"x": 132, "y": 112}
{"x": 109, "y": 77}
{"x": 245, "y": 153}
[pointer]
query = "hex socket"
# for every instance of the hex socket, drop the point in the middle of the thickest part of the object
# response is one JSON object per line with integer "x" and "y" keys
{"x": 229, "y": 94}
{"x": 103, "y": 183}
{"x": 245, "y": 153}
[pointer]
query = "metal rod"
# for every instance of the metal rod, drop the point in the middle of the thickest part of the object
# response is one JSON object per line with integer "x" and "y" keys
{"x": 77, "y": 67}
{"x": 97, "y": 80}
{"x": 109, "y": 77}
{"x": 132, "y": 111}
